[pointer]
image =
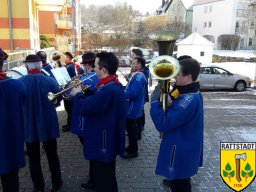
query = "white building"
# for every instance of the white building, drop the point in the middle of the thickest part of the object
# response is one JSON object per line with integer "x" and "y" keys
{"x": 182, "y": 10}
{"x": 197, "y": 47}
{"x": 212, "y": 18}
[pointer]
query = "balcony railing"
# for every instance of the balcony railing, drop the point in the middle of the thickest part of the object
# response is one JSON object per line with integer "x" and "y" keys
{"x": 64, "y": 22}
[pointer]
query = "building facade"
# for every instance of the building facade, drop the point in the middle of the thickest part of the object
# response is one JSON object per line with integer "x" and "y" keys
{"x": 182, "y": 10}
{"x": 212, "y": 18}
{"x": 23, "y": 21}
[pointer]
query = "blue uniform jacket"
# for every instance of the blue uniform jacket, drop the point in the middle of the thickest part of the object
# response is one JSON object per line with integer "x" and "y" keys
{"x": 105, "y": 126}
{"x": 71, "y": 70}
{"x": 41, "y": 121}
{"x": 146, "y": 73}
{"x": 135, "y": 95}
{"x": 181, "y": 150}
{"x": 12, "y": 100}
{"x": 78, "y": 121}
{"x": 48, "y": 68}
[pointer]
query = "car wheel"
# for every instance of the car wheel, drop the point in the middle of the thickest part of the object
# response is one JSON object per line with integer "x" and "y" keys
{"x": 240, "y": 86}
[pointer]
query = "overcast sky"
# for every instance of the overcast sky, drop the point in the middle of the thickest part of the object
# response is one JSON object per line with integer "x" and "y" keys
{"x": 141, "y": 5}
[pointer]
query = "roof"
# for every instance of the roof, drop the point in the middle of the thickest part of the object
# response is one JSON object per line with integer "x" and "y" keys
{"x": 195, "y": 39}
{"x": 188, "y": 4}
{"x": 201, "y": 2}
{"x": 163, "y": 9}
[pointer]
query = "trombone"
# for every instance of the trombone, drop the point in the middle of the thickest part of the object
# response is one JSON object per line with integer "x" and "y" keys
{"x": 52, "y": 96}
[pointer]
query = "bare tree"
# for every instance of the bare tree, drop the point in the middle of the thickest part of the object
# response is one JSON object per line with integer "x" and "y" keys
{"x": 115, "y": 21}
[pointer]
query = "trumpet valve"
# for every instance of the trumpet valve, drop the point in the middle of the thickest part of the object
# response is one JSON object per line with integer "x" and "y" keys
{"x": 51, "y": 96}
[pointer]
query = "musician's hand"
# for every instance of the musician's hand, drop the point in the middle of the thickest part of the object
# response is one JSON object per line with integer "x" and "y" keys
{"x": 76, "y": 90}
{"x": 169, "y": 101}
{"x": 156, "y": 93}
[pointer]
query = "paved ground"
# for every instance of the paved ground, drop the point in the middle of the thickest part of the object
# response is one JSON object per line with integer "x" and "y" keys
{"x": 229, "y": 116}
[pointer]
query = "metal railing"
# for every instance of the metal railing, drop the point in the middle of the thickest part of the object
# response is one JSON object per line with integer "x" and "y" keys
{"x": 16, "y": 59}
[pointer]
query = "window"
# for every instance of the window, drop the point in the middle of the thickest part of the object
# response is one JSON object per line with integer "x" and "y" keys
{"x": 252, "y": 25}
{"x": 202, "y": 53}
{"x": 218, "y": 71}
{"x": 237, "y": 24}
{"x": 209, "y": 24}
{"x": 210, "y": 9}
{"x": 205, "y": 9}
{"x": 205, "y": 70}
{"x": 205, "y": 24}
{"x": 250, "y": 42}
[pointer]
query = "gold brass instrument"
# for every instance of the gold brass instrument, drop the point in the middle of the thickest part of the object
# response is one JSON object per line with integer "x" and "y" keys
{"x": 164, "y": 68}
{"x": 76, "y": 82}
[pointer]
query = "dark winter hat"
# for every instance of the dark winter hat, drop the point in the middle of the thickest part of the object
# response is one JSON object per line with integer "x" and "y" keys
{"x": 42, "y": 55}
{"x": 32, "y": 58}
{"x": 88, "y": 57}
{"x": 70, "y": 55}
{"x": 3, "y": 55}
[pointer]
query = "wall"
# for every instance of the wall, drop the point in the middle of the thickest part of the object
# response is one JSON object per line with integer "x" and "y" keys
{"x": 194, "y": 51}
{"x": 220, "y": 18}
{"x": 20, "y": 25}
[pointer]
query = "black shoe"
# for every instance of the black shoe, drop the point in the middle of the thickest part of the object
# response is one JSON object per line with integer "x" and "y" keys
{"x": 89, "y": 185}
{"x": 167, "y": 182}
{"x": 130, "y": 155}
{"x": 65, "y": 128}
{"x": 55, "y": 187}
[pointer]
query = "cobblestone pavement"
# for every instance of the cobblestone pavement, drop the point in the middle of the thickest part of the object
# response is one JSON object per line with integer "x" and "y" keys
{"x": 229, "y": 116}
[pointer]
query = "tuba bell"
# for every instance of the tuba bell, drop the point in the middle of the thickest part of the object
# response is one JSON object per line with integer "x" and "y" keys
{"x": 56, "y": 57}
{"x": 164, "y": 67}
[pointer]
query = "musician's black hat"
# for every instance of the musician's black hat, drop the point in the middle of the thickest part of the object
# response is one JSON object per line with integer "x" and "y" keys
{"x": 3, "y": 55}
{"x": 42, "y": 55}
{"x": 32, "y": 58}
{"x": 70, "y": 55}
{"x": 88, "y": 57}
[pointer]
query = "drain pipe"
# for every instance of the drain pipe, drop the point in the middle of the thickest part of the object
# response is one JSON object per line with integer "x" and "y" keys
{"x": 10, "y": 24}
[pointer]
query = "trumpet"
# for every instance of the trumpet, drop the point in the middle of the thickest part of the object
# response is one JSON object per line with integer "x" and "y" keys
{"x": 52, "y": 96}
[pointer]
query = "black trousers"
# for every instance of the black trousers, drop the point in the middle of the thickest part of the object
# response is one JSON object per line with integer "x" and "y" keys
{"x": 10, "y": 181}
{"x": 132, "y": 130}
{"x": 91, "y": 180}
{"x": 104, "y": 176}
{"x": 50, "y": 148}
{"x": 181, "y": 185}
{"x": 68, "y": 107}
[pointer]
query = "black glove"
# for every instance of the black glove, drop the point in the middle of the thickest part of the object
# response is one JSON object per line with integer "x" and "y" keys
{"x": 156, "y": 93}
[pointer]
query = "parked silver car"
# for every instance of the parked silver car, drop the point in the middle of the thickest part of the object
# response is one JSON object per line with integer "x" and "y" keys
{"x": 213, "y": 77}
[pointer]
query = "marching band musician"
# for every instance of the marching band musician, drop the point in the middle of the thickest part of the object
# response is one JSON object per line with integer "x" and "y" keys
{"x": 181, "y": 151}
{"x": 104, "y": 136}
{"x": 12, "y": 100}
{"x": 41, "y": 123}
{"x": 46, "y": 66}
{"x": 79, "y": 121}
{"x": 68, "y": 103}
{"x": 141, "y": 120}
{"x": 135, "y": 99}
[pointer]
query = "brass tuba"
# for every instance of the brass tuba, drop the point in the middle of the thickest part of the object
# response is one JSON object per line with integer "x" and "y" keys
{"x": 164, "y": 68}
{"x": 56, "y": 57}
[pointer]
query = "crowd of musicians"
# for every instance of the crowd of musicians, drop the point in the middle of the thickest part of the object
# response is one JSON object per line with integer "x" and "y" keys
{"x": 100, "y": 111}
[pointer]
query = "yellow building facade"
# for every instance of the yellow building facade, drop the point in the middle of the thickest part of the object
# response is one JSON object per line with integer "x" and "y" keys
{"x": 23, "y": 21}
